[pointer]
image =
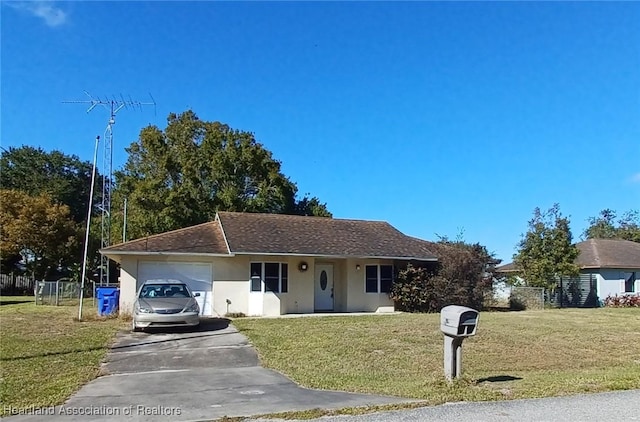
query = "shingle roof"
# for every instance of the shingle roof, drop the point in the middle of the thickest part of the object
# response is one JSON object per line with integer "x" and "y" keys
{"x": 507, "y": 268}
{"x": 609, "y": 253}
{"x": 204, "y": 238}
{"x": 600, "y": 253}
{"x": 290, "y": 234}
{"x": 252, "y": 233}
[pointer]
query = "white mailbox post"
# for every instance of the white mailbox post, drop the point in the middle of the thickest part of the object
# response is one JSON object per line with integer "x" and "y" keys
{"x": 457, "y": 323}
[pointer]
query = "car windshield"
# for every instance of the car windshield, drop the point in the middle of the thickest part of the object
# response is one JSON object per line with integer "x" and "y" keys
{"x": 164, "y": 290}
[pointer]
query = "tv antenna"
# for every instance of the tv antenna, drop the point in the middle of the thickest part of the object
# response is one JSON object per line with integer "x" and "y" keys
{"x": 113, "y": 105}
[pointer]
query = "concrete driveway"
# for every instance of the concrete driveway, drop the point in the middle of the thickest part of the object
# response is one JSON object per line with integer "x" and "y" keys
{"x": 184, "y": 375}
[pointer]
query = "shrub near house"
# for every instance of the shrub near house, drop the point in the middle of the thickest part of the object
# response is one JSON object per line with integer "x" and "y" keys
{"x": 463, "y": 276}
{"x": 623, "y": 301}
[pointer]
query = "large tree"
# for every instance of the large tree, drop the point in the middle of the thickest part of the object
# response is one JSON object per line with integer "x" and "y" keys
{"x": 65, "y": 178}
{"x": 546, "y": 251}
{"x": 182, "y": 175}
{"x": 607, "y": 226}
{"x": 61, "y": 179}
{"x": 40, "y": 231}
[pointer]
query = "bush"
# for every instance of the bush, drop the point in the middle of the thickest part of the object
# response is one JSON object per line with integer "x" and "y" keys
{"x": 463, "y": 276}
{"x": 517, "y": 304}
{"x": 624, "y": 301}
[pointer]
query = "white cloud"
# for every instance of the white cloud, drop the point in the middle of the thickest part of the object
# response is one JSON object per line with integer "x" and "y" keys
{"x": 635, "y": 178}
{"x": 46, "y": 10}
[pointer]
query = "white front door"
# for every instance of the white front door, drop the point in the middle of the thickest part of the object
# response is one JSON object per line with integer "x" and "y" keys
{"x": 323, "y": 299}
{"x": 197, "y": 275}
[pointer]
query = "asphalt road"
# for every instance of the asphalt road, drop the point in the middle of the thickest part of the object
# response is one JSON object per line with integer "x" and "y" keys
{"x": 616, "y": 406}
{"x": 190, "y": 375}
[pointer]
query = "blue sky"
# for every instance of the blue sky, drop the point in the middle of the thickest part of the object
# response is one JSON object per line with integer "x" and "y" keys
{"x": 436, "y": 117}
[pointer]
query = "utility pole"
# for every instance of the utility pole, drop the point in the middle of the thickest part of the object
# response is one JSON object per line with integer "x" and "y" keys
{"x": 124, "y": 223}
{"x": 113, "y": 105}
{"x": 86, "y": 235}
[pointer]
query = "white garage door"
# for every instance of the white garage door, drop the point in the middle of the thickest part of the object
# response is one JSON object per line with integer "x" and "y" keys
{"x": 198, "y": 276}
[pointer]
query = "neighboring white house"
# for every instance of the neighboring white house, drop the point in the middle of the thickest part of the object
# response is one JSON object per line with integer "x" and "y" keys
{"x": 273, "y": 264}
{"x": 608, "y": 267}
{"x": 614, "y": 263}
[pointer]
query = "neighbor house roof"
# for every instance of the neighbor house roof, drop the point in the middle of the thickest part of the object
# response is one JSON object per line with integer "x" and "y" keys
{"x": 609, "y": 253}
{"x": 600, "y": 253}
{"x": 234, "y": 233}
{"x": 507, "y": 268}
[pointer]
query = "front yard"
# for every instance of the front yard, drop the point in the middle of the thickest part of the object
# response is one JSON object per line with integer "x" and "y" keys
{"x": 45, "y": 354}
{"x": 514, "y": 355}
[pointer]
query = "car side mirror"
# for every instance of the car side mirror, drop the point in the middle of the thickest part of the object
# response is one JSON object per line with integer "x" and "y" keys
{"x": 196, "y": 294}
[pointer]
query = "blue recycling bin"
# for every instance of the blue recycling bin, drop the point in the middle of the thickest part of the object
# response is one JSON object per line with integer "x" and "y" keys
{"x": 108, "y": 299}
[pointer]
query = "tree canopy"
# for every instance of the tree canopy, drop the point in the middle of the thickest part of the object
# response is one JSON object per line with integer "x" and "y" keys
{"x": 607, "y": 226}
{"x": 184, "y": 174}
{"x": 39, "y": 230}
{"x": 45, "y": 198}
{"x": 65, "y": 178}
{"x": 547, "y": 251}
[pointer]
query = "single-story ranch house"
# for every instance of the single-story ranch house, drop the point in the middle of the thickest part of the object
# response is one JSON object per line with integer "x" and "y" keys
{"x": 608, "y": 267}
{"x": 273, "y": 264}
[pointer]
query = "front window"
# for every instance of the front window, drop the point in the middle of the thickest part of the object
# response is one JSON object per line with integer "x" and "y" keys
{"x": 378, "y": 278}
{"x": 273, "y": 275}
{"x": 630, "y": 282}
{"x": 372, "y": 279}
{"x": 256, "y": 277}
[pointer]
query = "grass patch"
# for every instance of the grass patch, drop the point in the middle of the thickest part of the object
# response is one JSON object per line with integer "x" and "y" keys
{"x": 318, "y": 413}
{"x": 46, "y": 354}
{"x": 514, "y": 355}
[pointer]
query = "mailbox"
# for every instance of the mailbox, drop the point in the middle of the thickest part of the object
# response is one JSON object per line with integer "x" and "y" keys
{"x": 458, "y": 321}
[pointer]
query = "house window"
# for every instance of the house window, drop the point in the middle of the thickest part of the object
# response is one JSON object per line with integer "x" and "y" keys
{"x": 386, "y": 278}
{"x": 630, "y": 282}
{"x": 274, "y": 276}
{"x": 256, "y": 277}
{"x": 378, "y": 278}
{"x": 372, "y": 279}
{"x": 284, "y": 278}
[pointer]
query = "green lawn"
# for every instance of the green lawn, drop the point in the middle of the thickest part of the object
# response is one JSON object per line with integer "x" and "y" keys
{"x": 45, "y": 353}
{"x": 514, "y": 355}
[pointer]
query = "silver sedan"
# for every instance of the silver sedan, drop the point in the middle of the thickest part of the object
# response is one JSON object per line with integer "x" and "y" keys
{"x": 165, "y": 303}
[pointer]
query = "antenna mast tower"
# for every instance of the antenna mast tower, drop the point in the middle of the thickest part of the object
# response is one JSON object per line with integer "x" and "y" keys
{"x": 113, "y": 105}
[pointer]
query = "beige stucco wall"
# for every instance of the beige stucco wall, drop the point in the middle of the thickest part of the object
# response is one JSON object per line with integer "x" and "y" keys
{"x": 358, "y": 300}
{"x": 340, "y": 285}
{"x": 128, "y": 274}
{"x": 298, "y": 299}
{"x": 231, "y": 282}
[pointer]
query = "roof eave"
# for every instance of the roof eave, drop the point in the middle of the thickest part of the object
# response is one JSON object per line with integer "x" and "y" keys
{"x": 610, "y": 267}
{"x": 403, "y": 258}
{"x": 110, "y": 253}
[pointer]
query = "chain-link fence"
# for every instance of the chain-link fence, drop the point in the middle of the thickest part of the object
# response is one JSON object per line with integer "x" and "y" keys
{"x": 60, "y": 292}
{"x": 526, "y": 298}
